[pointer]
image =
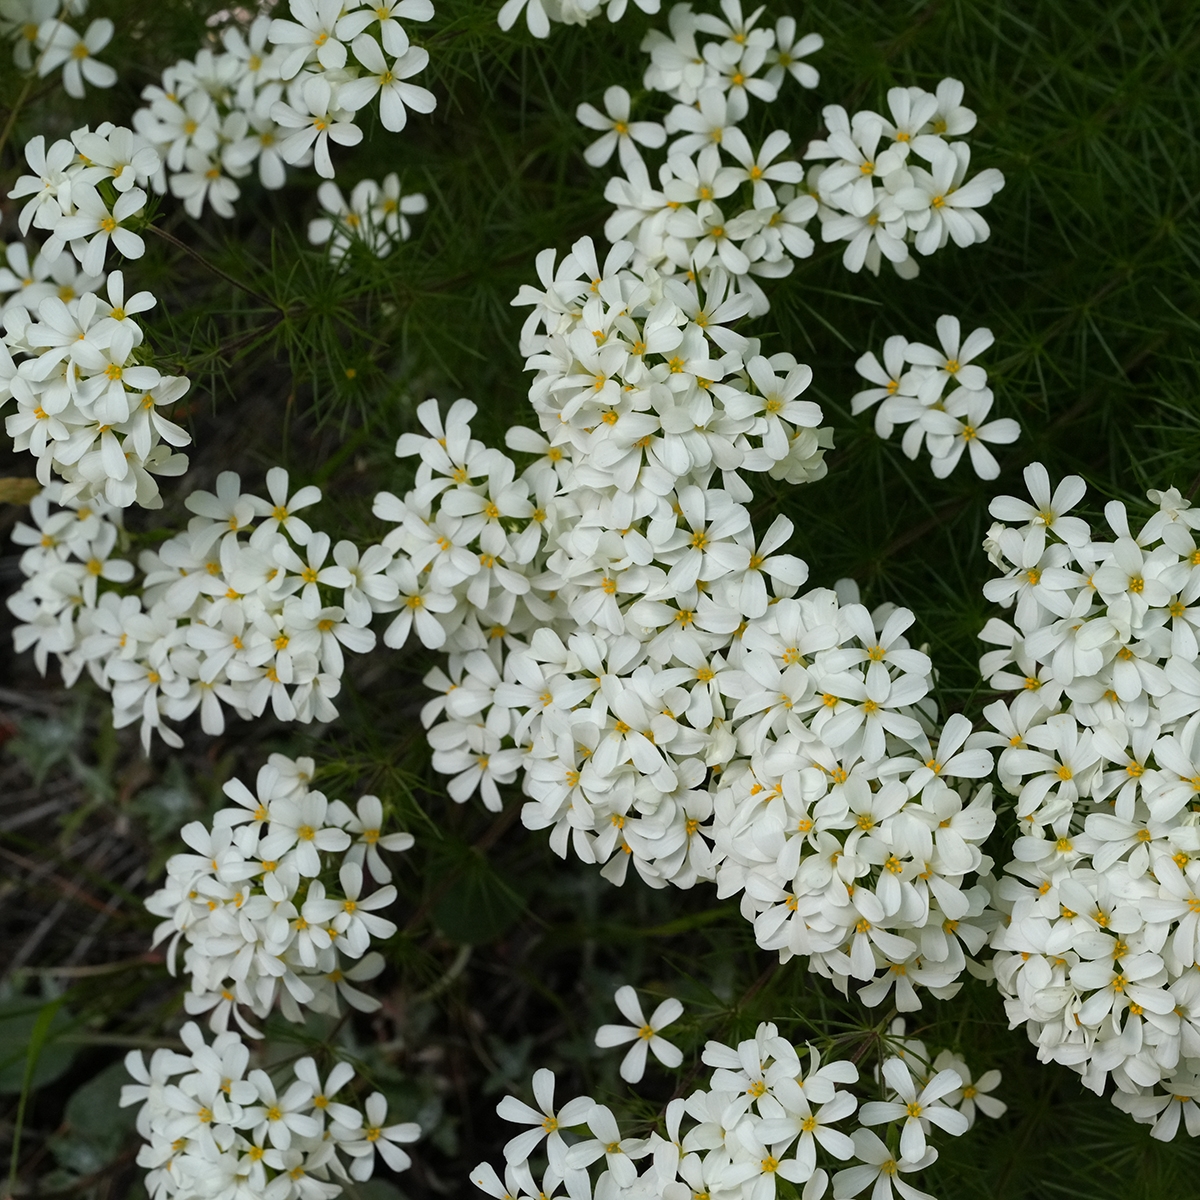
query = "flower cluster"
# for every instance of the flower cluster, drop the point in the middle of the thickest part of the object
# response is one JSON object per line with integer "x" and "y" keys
{"x": 278, "y": 93}
{"x": 1098, "y": 950}
{"x": 86, "y": 406}
{"x": 539, "y": 13}
{"x": 911, "y": 382}
{"x": 44, "y": 39}
{"x": 86, "y": 191}
{"x": 375, "y": 217}
{"x": 213, "y": 1125}
{"x": 263, "y": 926}
{"x": 614, "y": 640}
{"x": 857, "y": 853}
{"x": 717, "y": 200}
{"x": 89, "y": 407}
{"x": 770, "y": 1111}
{"x": 241, "y": 610}
{"x": 881, "y": 202}
{"x": 256, "y": 900}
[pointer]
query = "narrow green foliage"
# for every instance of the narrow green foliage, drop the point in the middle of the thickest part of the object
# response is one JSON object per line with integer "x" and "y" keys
{"x": 507, "y": 958}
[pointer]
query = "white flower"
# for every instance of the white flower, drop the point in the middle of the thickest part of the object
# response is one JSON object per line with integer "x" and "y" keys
{"x": 281, "y": 510}
{"x": 63, "y": 46}
{"x": 388, "y": 14}
{"x": 809, "y": 1128}
{"x": 388, "y": 82}
{"x": 546, "y": 1120}
{"x": 301, "y": 824}
{"x": 619, "y": 133}
{"x": 971, "y": 1095}
{"x": 367, "y": 822}
{"x": 881, "y": 1169}
{"x": 356, "y": 923}
{"x": 535, "y": 16}
{"x": 376, "y": 1136}
{"x": 279, "y": 1117}
{"x": 941, "y": 207}
{"x": 761, "y": 170}
{"x": 950, "y": 435}
{"x": 789, "y": 52}
{"x": 312, "y": 35}
{"x": 707, "y": 123}
{"x": 1164, "y": 1111}
{"x": 916, "y": 1109}
{"x": 314, "y": 113}
{"x": 420, "y": 600}
{"x": 953, "y": 361}
{"x": 644, "y": 1034}
{"x": 1047, "y": 511}
{"x": 607, "y": 1143}
{"x": 92, "y": 220}
{"x": 202, "y": 178}
{"x": 125, "y": 157}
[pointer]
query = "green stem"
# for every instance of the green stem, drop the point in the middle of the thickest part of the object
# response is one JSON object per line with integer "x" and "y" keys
{"x": 210, "y": 266}
{"x": 37, "y": 1039}
{"x": 14, "y": 111}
